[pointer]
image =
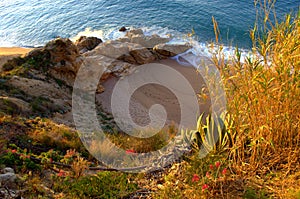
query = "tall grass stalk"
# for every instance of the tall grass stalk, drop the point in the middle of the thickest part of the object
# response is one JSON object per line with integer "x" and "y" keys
{"x": 263, "y": 92}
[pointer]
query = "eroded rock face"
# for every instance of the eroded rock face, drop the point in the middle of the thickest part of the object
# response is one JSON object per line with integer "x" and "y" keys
{"x": 127, "y": 58}
{"x": 62, "y": 50}
{"x": 142, "y": 55}
{"x": 57, "y": 97}
{"x": 14, "y": 105}
{"x": 137, "y": 36}
{"x": 85, "y": 44}
{"x": 171, "y": 50}
{"x": 127, "y": 52}
{"x": 106, "y": 66}
{"x": 66, "y": 59}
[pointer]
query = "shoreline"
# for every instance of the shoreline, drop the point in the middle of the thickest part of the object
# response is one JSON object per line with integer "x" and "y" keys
{"x": 14, "y": 50}
{"x": 7, "y": 53}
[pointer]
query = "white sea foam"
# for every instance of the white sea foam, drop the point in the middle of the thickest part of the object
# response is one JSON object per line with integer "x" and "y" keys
{"x": 89, "y": 32}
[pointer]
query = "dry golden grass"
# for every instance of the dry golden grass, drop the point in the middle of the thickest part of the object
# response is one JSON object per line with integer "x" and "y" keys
{"x": 263, "y": 98}
{"x": 143, "y": 145}
{"x": 263, "y": 94}
{"x": 263, "y": 103}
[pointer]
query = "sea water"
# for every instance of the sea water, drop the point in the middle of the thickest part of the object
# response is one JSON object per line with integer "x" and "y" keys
{"x": 32, "y": 23}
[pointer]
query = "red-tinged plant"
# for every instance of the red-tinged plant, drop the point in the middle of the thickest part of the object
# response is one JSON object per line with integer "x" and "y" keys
{"x": 208, "y": 175}
{"x": 130, "y": 151}
{"x": 195, "y": 178}
{"x": 61, "y": 173}
{"x": 204, "y": 187}
{"x": 224, "y": 171}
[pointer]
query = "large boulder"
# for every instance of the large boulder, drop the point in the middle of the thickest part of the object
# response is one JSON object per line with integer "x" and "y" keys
{"x": 133, "y": 32}
{"x": 142, "y": 55}
{"x": 171, "y": 50}
{"x": 137, "y": 36}
{"x": 85, "y": 44}
{"x": 108, "y": 66}
{"x": 113, "y": 49}
{"x": 123, "y": 51}
{"x": 123, "y": 29}
{"x": 148, "y": 41}
{"x": 123, "y": 39}
{"x": 7, "y": 177}
{"x": 94, "y": 67}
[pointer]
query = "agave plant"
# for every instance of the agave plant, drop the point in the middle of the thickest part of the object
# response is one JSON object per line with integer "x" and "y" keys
{"x": 212, "y": 135}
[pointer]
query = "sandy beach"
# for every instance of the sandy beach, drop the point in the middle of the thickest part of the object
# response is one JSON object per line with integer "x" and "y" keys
{"x": 148, "y": 95}
{"x": 14, "y": 51}
{"x": 7, "y": 53}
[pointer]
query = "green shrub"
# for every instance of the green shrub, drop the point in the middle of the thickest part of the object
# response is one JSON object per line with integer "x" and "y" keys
{"x": 102, "y": 185}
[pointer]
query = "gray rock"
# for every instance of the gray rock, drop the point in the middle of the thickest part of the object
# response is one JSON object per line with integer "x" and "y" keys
{"x": 134, "y": 32}
{"x": 7, "y": 178}
{"x": 148, "y": 41}
{"x": 171, "y": 50}
{"x": 113, "y": 49}
{"x": 8, "y": 170}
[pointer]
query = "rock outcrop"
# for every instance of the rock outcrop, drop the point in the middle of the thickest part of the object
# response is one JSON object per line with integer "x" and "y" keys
{"x": 66, "y": 60}
{"x": 148, "y": 41}
{"x": 134, "y": 32}
{"x": 113, "y": 49}
{"x": 129, "y": 52}
{"x": 7, "y": 177}
{"x": 142, "y": 55}
{"x": 123, "y": 29}
{"x": 9, "y": 186}
{"x": 60, "y": 58}
{"x": 14, "y": 105}
{"x": 85, "y": 44}
{"x": 137, "y": 36}
{"x": 171, "y": 50}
